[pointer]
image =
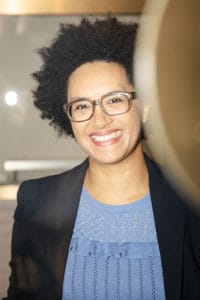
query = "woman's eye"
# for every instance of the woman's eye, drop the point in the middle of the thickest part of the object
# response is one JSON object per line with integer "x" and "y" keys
{"x": 115, "y": 100}
{"x": 81, "y": 106}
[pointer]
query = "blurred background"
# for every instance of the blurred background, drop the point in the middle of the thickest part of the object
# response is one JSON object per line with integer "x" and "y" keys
{"x": 29, "y": 147}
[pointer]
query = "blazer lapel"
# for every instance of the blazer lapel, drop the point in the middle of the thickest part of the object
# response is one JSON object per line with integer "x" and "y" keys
{"x": 169, "y": 213}
{"x": 61, "y": 215}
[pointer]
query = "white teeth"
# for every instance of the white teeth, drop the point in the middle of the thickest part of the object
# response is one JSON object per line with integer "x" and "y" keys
{"x": 106, "y": 137}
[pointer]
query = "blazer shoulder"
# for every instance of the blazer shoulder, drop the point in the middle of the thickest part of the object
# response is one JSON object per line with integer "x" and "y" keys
{"x": 192, "y": 209}
{"x": 160, "y": 179}
{"x": 41, "y": 183}
{"x": 34, "y": 194}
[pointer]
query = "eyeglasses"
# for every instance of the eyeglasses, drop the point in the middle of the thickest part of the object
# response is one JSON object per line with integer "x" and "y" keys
{"x": 113, "y": 103}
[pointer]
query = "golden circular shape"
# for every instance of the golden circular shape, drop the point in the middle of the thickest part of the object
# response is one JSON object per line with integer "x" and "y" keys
{"x": 167, "y": 68}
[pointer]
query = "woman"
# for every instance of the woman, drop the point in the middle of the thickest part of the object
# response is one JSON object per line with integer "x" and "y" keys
{"x": 111, "y": 228}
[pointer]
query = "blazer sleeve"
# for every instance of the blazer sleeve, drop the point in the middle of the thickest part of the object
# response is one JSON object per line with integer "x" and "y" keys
{"x": 24, "y": 268}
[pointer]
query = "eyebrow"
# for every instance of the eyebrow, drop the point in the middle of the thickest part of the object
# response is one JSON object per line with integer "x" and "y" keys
{"x": 88, "y": 98}
{"x": 78, "y": 98}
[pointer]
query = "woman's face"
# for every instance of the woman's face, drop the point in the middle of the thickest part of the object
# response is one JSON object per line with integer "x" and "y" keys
{"x": 106, "y": 139}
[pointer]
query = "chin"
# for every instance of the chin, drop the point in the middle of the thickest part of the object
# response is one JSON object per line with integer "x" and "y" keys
{"x": 107, "y": 160}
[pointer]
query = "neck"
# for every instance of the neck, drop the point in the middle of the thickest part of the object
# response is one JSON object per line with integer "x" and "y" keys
{"x": 119, "y": 183}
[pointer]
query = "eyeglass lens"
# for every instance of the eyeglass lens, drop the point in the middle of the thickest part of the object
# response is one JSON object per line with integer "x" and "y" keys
{"x": 112, "y": 104}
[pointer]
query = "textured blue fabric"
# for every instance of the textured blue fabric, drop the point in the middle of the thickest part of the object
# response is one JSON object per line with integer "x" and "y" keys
{"x": 114, "y": 253}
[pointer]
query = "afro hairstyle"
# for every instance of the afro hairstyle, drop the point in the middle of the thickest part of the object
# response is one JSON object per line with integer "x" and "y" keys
{"x": 102, "y": 40}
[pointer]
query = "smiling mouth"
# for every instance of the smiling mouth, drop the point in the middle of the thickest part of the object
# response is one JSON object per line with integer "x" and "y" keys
{"x": 106, "y": 137}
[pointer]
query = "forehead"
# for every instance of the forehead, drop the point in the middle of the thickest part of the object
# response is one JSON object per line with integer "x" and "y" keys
{"x": 98, "y": 77}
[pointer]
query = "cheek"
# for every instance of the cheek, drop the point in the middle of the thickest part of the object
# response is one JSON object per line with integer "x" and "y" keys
{"x": 78, "y": 130}
{"x": 134, "y": 127}
{"x": 137, "y": 116}
{"x": 133, "y": 118}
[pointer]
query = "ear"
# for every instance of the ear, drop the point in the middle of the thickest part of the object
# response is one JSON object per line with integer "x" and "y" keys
{"x": 145, "y": 113}
{"x": 143, "y": 110}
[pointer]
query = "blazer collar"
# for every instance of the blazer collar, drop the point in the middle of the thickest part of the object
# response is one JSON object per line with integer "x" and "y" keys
{"x": 169, "y": 214}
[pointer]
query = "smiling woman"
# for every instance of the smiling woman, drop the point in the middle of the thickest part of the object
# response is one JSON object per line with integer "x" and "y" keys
{"x": 111, "y": 227}
{"x": 105, "y": 137}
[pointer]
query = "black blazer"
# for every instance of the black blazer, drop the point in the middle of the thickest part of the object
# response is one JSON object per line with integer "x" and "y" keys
{"x": 44, "y": 221}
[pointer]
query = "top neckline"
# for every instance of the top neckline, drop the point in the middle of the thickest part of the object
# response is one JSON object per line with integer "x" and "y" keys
{"x": 140, "y": 204}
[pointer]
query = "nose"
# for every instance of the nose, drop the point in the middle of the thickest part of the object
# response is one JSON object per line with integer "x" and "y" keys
{"x": 100, "y": 118}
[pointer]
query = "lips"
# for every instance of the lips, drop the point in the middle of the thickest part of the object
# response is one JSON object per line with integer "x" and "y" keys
{"x": 106, "y": 137}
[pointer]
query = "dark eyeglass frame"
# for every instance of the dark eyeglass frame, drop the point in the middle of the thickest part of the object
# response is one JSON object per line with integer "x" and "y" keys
{"x": 130, "y": 96}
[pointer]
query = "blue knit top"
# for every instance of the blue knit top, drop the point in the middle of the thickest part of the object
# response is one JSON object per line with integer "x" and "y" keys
{"x": 114, "y": 253}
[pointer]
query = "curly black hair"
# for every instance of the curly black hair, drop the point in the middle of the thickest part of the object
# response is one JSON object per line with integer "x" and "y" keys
{"x": 104, "y": 39}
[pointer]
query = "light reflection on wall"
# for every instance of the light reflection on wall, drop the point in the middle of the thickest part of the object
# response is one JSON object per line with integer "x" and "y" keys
{"x": 11, "y": 98}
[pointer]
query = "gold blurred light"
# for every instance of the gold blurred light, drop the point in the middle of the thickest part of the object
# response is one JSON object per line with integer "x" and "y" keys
{"x": 70, "y": 6}
{"x": 8, "y": 192}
